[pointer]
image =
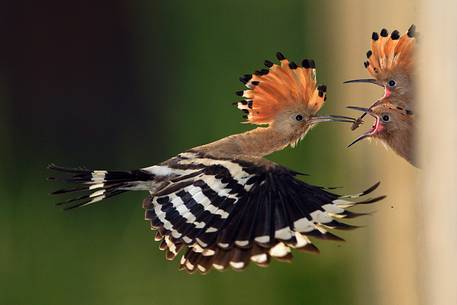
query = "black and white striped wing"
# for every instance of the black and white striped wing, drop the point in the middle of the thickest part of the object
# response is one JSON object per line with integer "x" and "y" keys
{"x": 230, "y": 212}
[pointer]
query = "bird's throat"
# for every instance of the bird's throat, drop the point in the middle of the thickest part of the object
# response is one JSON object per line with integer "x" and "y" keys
{"x": 258, "y": 142}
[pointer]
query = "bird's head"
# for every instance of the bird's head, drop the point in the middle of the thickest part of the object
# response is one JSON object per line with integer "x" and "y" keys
{"x": 391, "y": 62}
{"x": 286, "y": 97}
{"x": 393, "y": 124}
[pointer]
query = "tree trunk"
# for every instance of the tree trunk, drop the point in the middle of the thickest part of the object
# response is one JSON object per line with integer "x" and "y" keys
{"x": 438, "y": 143}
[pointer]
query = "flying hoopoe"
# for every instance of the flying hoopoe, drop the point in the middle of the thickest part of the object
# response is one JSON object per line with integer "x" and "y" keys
{"x": 223, "y": 203}
{"x": 391, "y": 63}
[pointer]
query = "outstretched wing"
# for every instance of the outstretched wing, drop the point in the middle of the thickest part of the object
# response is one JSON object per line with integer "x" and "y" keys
{"x": 230, "y": 212}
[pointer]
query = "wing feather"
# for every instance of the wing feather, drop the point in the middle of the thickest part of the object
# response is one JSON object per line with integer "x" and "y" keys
{"x": 223, "y": 223}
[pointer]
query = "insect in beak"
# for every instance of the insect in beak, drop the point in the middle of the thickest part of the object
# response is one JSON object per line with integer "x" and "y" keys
{"x": 364, "y": 80}
{"x": 332, "y": 118}
{"x": 374, "y": 129}
{"x": 359, "y": 120}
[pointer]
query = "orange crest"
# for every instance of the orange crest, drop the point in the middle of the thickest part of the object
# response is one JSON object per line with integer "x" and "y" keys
{"x": 282, "y": 86}
{"x": 390, "y": 54}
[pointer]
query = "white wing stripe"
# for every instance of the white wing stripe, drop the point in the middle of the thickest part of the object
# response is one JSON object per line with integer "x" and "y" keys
{"x": 200, "y": 198}
{"x": 184, "y": 212}
{"x": 161, "y": 215}
{"x": 235, "y": 170}
{"x": 217, "y": 186}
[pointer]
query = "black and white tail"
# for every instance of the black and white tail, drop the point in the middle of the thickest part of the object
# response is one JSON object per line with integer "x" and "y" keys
{"x": 96, "y": 185}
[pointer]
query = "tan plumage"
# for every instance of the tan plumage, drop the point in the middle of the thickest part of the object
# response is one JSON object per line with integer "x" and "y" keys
{"x": 391, "y": 61}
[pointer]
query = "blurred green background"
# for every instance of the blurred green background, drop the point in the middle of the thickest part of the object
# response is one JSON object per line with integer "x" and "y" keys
{"x": 126, "y": 84}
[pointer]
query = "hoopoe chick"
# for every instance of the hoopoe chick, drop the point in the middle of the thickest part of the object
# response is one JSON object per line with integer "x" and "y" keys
{"x": 394, "y": 126}
{"x": 391, "y": 63}
{"x": 223, "y": 204}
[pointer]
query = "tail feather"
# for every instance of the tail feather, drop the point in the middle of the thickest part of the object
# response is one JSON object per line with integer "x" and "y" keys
{"x": 98, "y": 185}
{"x": 88, "y": 199}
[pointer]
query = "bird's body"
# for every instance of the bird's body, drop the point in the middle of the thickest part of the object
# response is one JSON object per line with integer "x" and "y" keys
{"x": 224, "y": 202}
{"x": 391, "y": 63}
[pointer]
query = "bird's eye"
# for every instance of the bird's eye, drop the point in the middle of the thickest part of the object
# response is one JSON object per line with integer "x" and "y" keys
{"x": 299, "y": 117}
{"x": 385, "y": 118}
{"x": 391, "y": 83}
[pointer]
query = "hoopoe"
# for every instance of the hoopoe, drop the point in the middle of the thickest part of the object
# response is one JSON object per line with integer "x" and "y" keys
{"x": 391, "y": 63}
{"x": 223, "y": 202}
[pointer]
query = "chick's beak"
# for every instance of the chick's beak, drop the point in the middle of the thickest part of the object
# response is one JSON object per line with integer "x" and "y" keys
{"x": 359, "y": 120}
{"x": 373, "y": 129}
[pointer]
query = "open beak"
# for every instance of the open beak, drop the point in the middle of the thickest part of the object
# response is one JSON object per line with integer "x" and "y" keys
{"x": 364, "y": 80}
{"x": 332, "y": 118}
{"x": 373, "y": 129}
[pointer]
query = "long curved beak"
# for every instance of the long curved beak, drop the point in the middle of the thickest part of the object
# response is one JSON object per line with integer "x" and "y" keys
{"x": 364, "y": 80}
{"x": 369, "y": 133}
{"x": 332, "y": 118}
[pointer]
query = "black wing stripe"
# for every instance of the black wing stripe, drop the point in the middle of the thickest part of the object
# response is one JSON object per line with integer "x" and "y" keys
{"x": 264, "y": 232}
{"x": 223, "y": 174}
{"x": 172, "y": 215}
{"x": 215, "y": 224}
{"x": 159, "y": 215}
{"x": 228, "y": 234}
{"x": 228, "y": 169}
{"x": 189, "y": 208}
{"x": 175, "y": 187}
{"x": 283, "y": 231}
{"x": 217, "y": 193}
{"x": 211, "y": 206}
{"x": 247, "y": 225}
